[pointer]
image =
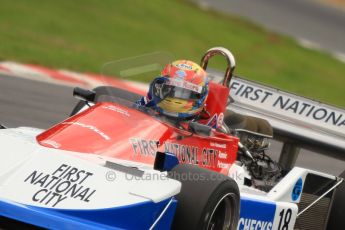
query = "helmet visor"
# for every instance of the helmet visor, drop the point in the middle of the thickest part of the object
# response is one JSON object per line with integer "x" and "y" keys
{"x": 180, "y": 89}
{"x": 177, "y": 92}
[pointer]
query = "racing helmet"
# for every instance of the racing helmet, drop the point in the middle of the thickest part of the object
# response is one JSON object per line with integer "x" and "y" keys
{"x": 181, "y": 90}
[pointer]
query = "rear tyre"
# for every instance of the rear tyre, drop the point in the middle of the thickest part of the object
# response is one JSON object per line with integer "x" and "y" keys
{"x": 208, "y": 200}
{"x": 109, "y": 91}
{"x": 336, "y": 218}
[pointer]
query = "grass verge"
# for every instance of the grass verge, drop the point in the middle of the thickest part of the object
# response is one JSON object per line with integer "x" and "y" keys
{"x": 83, "y": 34}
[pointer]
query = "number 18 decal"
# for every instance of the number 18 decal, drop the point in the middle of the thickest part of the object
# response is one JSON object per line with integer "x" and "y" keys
{"x": 285, "y": 218}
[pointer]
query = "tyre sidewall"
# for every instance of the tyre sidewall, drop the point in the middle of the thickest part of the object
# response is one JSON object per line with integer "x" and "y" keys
{"x": 198, "y": 198}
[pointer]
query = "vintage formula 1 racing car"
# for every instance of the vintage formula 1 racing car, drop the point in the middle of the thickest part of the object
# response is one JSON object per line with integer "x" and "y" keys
{"x": 116, "y": 165}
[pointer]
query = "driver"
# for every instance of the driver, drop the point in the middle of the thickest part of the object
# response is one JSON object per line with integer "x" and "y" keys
{"x": 180, "y": 92}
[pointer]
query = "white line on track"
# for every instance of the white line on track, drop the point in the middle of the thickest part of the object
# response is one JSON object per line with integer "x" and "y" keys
{"x": 308, "y": 44}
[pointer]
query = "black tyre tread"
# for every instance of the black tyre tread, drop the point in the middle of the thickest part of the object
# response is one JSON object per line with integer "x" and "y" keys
{"x": 195, "y": 198}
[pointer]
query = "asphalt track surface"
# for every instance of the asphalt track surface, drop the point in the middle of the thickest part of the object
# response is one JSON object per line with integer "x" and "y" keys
{"x": 302, "y": 19}
{"x": 33, "y": 103}
{"x": 37, "y": 104}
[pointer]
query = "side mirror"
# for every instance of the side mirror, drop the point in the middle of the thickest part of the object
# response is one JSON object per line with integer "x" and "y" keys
{"x": 84, "y": 94}
{"x": 198, "y": 128}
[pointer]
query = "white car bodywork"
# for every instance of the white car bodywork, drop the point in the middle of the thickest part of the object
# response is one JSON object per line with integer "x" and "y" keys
{"x": 283, "y": 196}
{"x": 27, "y": 171}
{"x": 35, "y": 176}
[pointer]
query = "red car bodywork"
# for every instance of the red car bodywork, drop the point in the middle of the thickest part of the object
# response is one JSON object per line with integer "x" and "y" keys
{"x": 125, "y": 133}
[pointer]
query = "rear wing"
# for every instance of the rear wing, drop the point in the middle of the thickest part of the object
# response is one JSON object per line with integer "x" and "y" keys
{"x": 297, "y": 120}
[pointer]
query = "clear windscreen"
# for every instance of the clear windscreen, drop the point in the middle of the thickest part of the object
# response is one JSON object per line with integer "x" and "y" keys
{"x": 141, "y": 68}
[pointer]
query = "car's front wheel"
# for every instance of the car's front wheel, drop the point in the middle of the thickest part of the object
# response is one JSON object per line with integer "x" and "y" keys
{"x": 208, "y": 200}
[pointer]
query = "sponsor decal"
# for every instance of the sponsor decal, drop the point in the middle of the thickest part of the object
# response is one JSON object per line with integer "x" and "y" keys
{"x": 184, "y": 66}
{"x": 256, "y": 214}
{"x": 116, "y": 109}
{"x": 288, "y": 105}
{"x": 216, "y": 120}
{"x": 184, "y": 153}
{"x": 220, "y": 120}
{"x": 89, "y": 127}
{"x": 254, "y": 224}
{"x": 209, "y": 157}
{"x": 184, "y": 84}
{"x": 222, "y": 155}
{"x": 180, "y": 74}
{"x": 190, "y": 154}
{"x": 248, "y": 92}
{"x": 213, "y": 121}
{"x": 218, "y": 145}
{"x": 144, "y": 147}
{"x": 66, "y": 182}
{"x": 222, "y": 165}
{"x": 308, "y": 110}
{"x": 297, "y": 190}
